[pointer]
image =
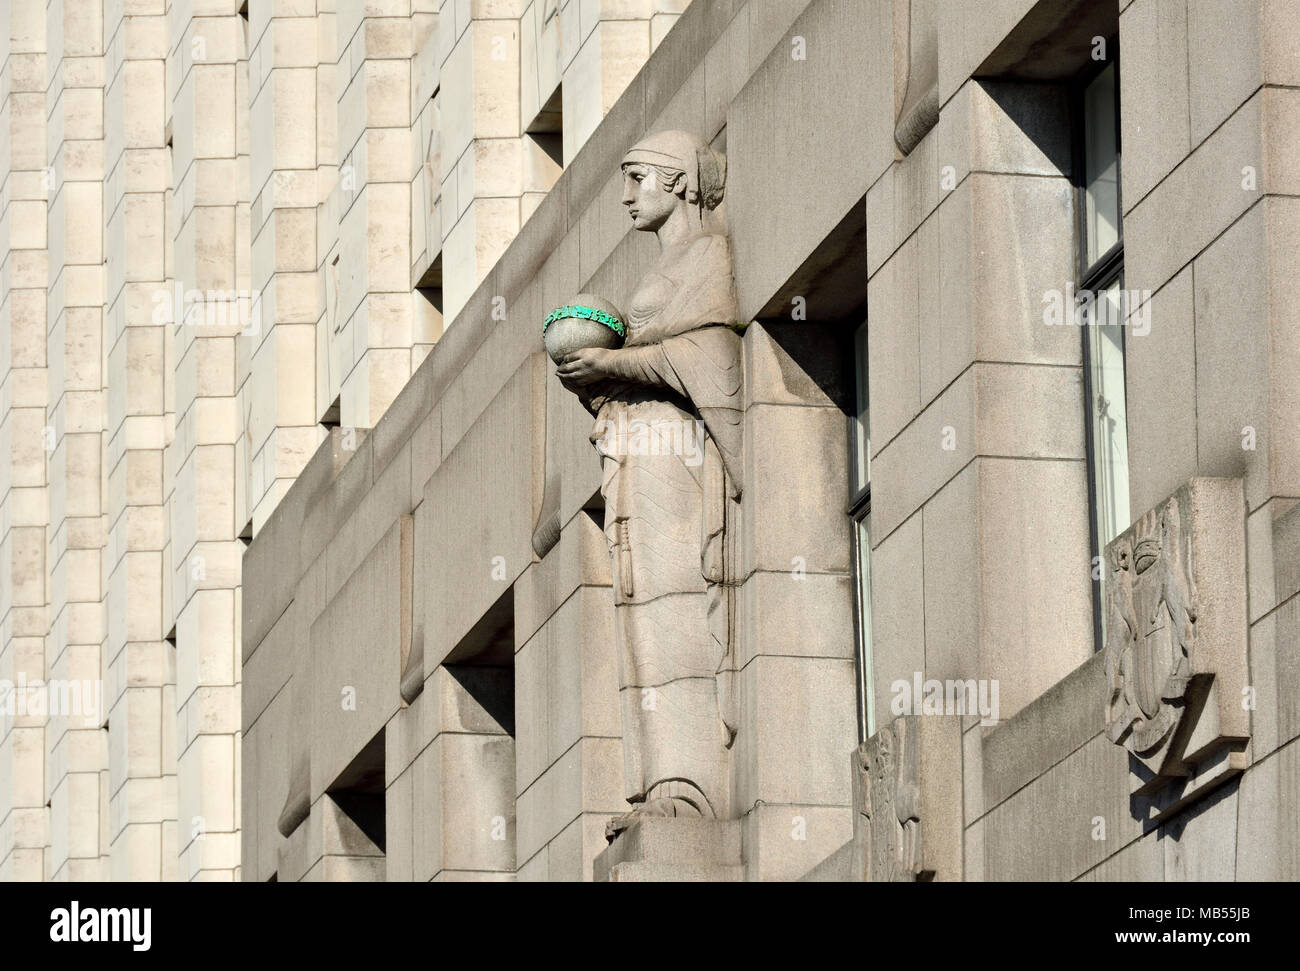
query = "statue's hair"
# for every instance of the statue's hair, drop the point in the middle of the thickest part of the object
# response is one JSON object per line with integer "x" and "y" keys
{"x": 666, "y": 175}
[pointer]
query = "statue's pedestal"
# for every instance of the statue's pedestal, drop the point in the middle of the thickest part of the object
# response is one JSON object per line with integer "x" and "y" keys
{"x": 673, "y": 850}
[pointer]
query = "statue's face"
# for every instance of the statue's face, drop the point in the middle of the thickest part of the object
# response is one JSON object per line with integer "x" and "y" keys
{"x": 648, "y": 203}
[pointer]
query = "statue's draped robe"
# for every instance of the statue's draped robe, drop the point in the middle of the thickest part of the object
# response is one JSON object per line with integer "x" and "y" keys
{"x": 670, "y": 440}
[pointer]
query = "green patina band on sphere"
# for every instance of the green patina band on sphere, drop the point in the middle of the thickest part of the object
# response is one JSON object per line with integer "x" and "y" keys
{"x": 580, "y": 312}
{"x": 585, "y": 321}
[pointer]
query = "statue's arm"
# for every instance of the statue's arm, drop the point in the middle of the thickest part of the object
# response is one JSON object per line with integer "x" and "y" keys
{"x": 596, "y": 368}
{"x": 645, "y": 365}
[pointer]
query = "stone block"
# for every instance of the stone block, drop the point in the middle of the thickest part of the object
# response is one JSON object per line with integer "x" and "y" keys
{"x": 1224, "y": 59}
{"x": 1142, "y": 861}
{"x": 1030, "y": 220}
{"x": 1043, "y": 733}
{"x": 571, "y": 856}
{"x": 1201, "y": 843}
{"x": 686, "y": 109}
{"x": 409, "y": 732}
{"x": 783, "y": 843}
{"x": 814, "y": 167}
{"x": 939, "y": 444}
{"x": 795, "y": 531}
{"x": 1201, "y": 198}
{"x": 792, "y": 363}
{"x": 535, "y": 870}
{"x": 136, "y": 854}
{"x": 1161, "y": 395}
{"x": 1045, "y": 831}
{"x": 946, "y": 335}
{"x": 386, "y": 501}
{"x": 1154, "y": 91}
{"x": 677, "y": 850}
{"x": 271, "y": 568}
{"x": 1267, "y": 833}
{"x": 1288, "y": 669}
{"x": 588, "y": 778}
{"x": 968, "y": 35}
{"x": 796, "y": 614}
{"x": 354, "y": 695}
{"x": 504, "y": 350}
{"x": 795, "y": 715}
{"x": 1278, "y": 34}
{"x": 726, "y": 65}
{"x": 1283, "y": 231}
{"x": 1033, "y": 510}
{"x": 893, "y": 344}
{"x": 951, "y": 559}
{"x": 1231, "y": 347}
{"x": 1014, "y": 128}
{"x": 972, "y": 779}
{"x": 836, "y": 868}
{"x": 579, "y": 559}
{"x": 478, "y": 809}
{"x": 1028, "y": 411}
{"x": 494, "y": 551}
{"x": 566, "y": 683}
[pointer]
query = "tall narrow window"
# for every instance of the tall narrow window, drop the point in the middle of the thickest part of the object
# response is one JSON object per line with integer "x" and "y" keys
{"x": 1103, "y": 309}
{"x": 860, "y": 513}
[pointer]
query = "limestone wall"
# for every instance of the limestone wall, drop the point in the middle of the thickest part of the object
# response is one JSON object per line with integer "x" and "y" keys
{"x": 484, "y": 416}
{"x": 981, "y": 565}
{"x": 221, "y": 235}
{"x": 285, "y": 472}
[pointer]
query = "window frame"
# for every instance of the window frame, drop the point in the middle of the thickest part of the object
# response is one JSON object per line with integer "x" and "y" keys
{"x": 862, "y": 654}
{"x": 857, "y": 509}
{"x": 1079, "y": 161}
{"x": 1096, "y": 278}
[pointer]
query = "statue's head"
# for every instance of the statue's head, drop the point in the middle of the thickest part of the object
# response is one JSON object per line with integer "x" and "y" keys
{"x": 670, "y": 171}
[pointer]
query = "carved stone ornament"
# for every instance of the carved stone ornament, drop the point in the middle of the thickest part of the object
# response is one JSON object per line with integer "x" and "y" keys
{"x": 916, "y": 71}
{"x": 1151, "y": 602}
{"x": 1175, "y": 654}
{"x": 907, "y": 801}
{"x": 890, "y": 764}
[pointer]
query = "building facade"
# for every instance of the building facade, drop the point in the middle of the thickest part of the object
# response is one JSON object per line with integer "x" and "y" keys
{"x": 304, "y": 565}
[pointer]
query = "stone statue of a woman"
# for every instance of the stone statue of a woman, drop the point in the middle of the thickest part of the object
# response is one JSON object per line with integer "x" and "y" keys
{"x": 668, "y": 408}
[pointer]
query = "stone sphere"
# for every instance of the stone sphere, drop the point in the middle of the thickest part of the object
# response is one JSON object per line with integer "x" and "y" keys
{"x": 569, "y": 332}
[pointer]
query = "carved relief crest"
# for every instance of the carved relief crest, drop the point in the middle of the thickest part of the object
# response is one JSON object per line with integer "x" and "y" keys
{"x": 1176, "y": 661}
{"x": 891, "y": 802}
{"x": 1150, "y": 632}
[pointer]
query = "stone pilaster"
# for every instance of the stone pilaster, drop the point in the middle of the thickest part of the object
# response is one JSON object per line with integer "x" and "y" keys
{"x": 24, "y": 190}
{"x": 137, "y": 660}
{"x": 78, "y": 785}
{"x": 209, "y": 228}
{"x": 369, "y": 314}
{"x": 479, "y": 151}
{"x": 602, "y": 47}
{"x": 276, "y": 364}
{"x": 977, "y": 431}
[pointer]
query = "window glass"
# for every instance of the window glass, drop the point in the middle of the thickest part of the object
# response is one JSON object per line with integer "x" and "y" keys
{"x": 862, "y": 529}
{"x": 861, "y": 420}
{"x": 1107, "y": 413}
{"x": 860, "y": 513}
{"x": 1101, "y": 167}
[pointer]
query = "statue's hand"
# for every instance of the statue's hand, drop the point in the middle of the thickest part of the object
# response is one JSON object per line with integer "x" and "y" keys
{"x": 587, "y": 366}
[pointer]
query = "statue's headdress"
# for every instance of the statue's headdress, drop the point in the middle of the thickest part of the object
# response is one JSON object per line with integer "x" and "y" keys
{"x": 679, "y": 151}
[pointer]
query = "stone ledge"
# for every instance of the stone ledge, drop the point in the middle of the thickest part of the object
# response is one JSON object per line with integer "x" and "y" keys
{"x": 1060, "y": 721}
